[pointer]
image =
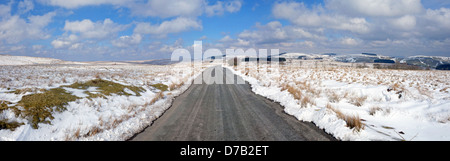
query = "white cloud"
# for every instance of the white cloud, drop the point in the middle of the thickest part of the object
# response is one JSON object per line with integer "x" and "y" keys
{"x": 226, "y": 38}
{"x": 14, "y": 29}
{"x": 275, "y": 33}
{"x": 95, "y": 30}
{"x": 438, "y": 19}
{"x": 60, "y": 43}
{"x": 166, "y": 49}
{"x": 41, "y": 21}
{"x": 65, "y": 41}
{"x": 127, "y": 41}
{"x": 349, "y": 41}
{"x": 270, "y": 33}
{"x": 167, "y": 8}
{"x": 5, "y": 10}
{"x": 71, "y": 4}
{"x": 25, "y": 6}
{"x": 406, "y": 22}
{"x": 375, "y": 7}
{"x": 297, "y": 13}
{"x": 37, "y": 47}
{"x": 157, "y": 8}
{"x": 300, "y": 15}
{"x": 220, "y": 7}
{"x": 177, "y": 25}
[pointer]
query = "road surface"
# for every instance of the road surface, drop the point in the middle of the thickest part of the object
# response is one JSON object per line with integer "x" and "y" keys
{"x": 227, "y": 112}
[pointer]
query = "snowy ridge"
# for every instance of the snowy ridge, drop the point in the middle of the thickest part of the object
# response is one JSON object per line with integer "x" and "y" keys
{"x": 26, "y": 60}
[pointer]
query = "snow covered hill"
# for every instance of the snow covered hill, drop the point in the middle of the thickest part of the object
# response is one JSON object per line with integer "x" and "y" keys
{"x": 26, "y": 60}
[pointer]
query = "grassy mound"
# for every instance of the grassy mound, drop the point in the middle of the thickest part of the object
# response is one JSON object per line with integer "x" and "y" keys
{"x": 161, "y": 87}
{"x": 106, "y": 88}
{"x": 39, "y": 107}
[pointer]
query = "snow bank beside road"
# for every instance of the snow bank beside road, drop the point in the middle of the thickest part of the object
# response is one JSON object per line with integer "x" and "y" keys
{"x": 392, "y": 104}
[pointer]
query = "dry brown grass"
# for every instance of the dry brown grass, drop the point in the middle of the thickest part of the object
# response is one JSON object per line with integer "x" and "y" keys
{"x": 296, "y": 92}
{"x": 157, "y": 97}
{"x": 95, "y": 130}
{"x": 374, "y": 110}
{"x": 77, "y": 133}
{"x": 358, "y": 100}
{"x": 333, "y": 96}
{"x": 291, "y": 89}
{"x": 174, "y": 86}
{"x": 352, "y": 121}
{"x": 307, "y": 100}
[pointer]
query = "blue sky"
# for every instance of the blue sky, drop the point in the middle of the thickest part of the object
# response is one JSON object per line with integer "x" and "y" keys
{"x": 102, "y": 30}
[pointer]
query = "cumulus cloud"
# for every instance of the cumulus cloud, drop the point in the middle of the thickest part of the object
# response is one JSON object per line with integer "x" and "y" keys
{"x": 71, "y": 4}
{"x": 5, "y": 10}
{"x": 127, "y": 41}
{"x": 157, "y": 8}
{"x": 167, "y": 49}
{"x": 14, "y": 29}
{"x": 175, "y": 8}
{"x": 375, "y": 7}
{"x": 226, "y": 39}
{"x": 275, "y": 33}
{"x": 406, "y": 22}
{"x": 167, "y": 8}
{"x": 221, "y": 7}
{"x": 25, "y": 6}
{"x": 438, "y": 19}
{"x": 65, "y": 41}
{"x": 95, "y": 30}
{"x": 177, "y": 25}
{"x": 349, "y": 41}
{"x": 300, "y": 15}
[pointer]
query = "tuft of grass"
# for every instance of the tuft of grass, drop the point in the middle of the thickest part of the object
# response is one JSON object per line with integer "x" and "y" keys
{"x": 352, "y": 121}
{"x": 307, "y": 100}
{"x": 11, "y": 125}
{"x": 174, "y": 86}
{"x": 294, "y": 91}
{"x": 358, "y": 101}
{"x": 106, "y": 88}
{"x": 298, "y": 95}
{"x": 4, "y": 105}
{"x": 374, "y": 110}
{"x": 95, "y": 130}
{"x": 5, "y": 123}
{"x": 38, "y": 108}
{"x": 161, "y": 87}
{"x": 334, "y": 97}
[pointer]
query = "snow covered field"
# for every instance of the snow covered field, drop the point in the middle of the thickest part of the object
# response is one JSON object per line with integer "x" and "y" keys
{"x": 348, "y": 102}
{"x": 357, "y": 103}
{"x": 93, "y": 115}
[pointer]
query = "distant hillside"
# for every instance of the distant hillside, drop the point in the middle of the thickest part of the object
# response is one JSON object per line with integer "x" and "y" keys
{"x": 26, "y": 60}
{"x": 427, "y": 61}
{"x": 421, "y": 61}
{"x": 154, "y": 62}
{"x": 362, "y": 58}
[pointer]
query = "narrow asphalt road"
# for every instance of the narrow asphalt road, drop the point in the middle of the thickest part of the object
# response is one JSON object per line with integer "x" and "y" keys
{"x": 227, "y": 112}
